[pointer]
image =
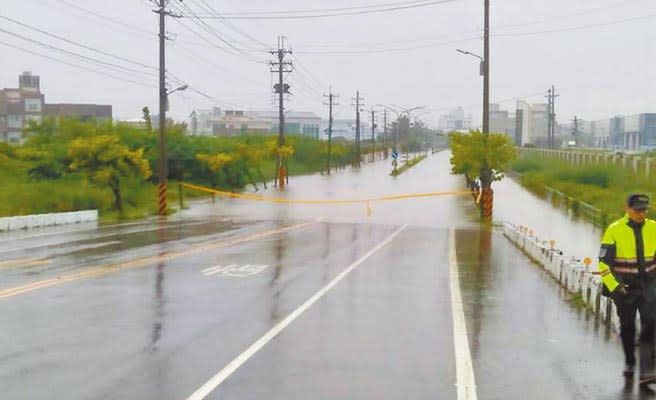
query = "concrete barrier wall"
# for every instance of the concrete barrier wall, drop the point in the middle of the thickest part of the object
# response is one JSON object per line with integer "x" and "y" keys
{"x": 571, "y": 273}
{"x": 41, "y": 220}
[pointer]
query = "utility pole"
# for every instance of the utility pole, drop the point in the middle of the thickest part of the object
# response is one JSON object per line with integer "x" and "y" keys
{"x": 373, "y": 135}
{"x": 553, "y": 116}
{"x": 551, "y": 122}
{"x": 548, "y": 96}
{"x": 385, "y": 130}
{"x": 486, "y": 174}
{"x": 163, "y": 161}
{"x": 357, "y": 127}
{"x": 575, "y": 131}
{"x": 330, "y": 105}
{"x": 395, "y": 133}
{"x": 486, "y": 71}
{"x": 281, "y": 67}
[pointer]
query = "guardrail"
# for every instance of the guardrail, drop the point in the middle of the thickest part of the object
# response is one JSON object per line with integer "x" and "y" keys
{"x": 570, "y": 273}
{"x": 42, "y": 220}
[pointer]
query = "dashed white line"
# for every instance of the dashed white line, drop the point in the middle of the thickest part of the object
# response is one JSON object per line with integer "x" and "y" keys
{"x": 465, "y": 380}
{"x": 222, "y": 375}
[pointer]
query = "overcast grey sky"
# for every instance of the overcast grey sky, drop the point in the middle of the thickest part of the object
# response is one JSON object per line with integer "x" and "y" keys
{"x": 598, "y": 53}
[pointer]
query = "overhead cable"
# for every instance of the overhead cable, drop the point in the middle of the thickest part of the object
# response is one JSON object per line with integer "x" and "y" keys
{"x": 95, "y": 71}
{"x": 77, "y": 43}
{"x": 328, "y": 14}
{"x": 80, "y": 56}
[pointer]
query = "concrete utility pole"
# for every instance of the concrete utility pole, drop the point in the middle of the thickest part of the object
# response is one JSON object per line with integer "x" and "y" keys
{"x": 163, "y": 161}
{"x": 373, "y": 135}
{"x": 357, "y": 127}
{"x": 486, "y": 71}
{"x": 330, "y": 105}
{"x": 486, "y": 174}
{"x": 281, "y": 67}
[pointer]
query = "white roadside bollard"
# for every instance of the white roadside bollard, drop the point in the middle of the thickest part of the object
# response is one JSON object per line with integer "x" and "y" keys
{"x": 574, "y": 275}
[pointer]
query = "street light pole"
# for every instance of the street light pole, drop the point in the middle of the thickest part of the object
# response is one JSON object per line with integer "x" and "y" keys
{"x": 485, "y": 173}
{"x": 396, "y": 132}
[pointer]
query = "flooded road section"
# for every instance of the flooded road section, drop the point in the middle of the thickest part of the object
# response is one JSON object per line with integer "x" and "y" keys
{"x": 250, "y": 300}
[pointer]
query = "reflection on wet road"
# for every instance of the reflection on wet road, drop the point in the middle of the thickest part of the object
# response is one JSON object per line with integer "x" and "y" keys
{"x": 252, "y": 300}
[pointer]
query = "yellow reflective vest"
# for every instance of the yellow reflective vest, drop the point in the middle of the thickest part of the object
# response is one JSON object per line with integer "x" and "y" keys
{"x": 627, "y": 252}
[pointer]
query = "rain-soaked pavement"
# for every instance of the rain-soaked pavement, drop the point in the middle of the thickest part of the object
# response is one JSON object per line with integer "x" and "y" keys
{"x": 247, "y": 300}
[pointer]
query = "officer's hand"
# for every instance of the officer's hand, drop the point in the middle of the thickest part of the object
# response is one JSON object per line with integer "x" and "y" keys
{"x": 623, "y": 290}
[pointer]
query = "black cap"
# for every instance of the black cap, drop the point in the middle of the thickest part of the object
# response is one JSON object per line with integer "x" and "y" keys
{"x": 638, "y": 202}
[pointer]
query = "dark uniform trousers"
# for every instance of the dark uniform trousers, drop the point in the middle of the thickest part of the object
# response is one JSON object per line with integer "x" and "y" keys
{"x": 641, "y": 297}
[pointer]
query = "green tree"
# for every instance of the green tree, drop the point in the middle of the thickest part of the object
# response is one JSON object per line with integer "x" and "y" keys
{"x": 253, "y": 156}
{"x": 146, "y": 118}
{"x": 106, "y": 161}
{"x": 472, "y": 153}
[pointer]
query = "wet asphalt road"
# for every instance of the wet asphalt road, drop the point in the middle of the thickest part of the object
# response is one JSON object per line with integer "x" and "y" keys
{"x": 154, "y": 311}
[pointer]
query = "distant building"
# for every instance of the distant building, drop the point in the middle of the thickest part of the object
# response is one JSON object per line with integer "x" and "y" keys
{"x": 84, "y": 112}
{"x": 502, "y": 121}
{"x": 27, "y": 103}
{"x": 18, "y": 106}
{"x": 639, "y": 132}
{"x": 217, "y": 122}
{"x": 296, "y": 122}
{"x": 600, "y": 133}
{"x": 455, "y": 120}
{"x": 345, "y": 128}
{"x": 630, "y": 132}
{"x": 205, "y": 122}
{"x": 531, "y": 124}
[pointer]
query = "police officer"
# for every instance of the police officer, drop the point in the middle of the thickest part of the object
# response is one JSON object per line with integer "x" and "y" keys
{"x": 628, "y": 270}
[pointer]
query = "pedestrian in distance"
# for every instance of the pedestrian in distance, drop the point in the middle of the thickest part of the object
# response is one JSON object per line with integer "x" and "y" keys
{"x": 627, "y": 267}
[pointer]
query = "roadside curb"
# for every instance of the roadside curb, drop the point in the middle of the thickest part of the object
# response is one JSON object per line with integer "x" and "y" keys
{"x": 569, "y": 272}
{"x": 41, "y": 220}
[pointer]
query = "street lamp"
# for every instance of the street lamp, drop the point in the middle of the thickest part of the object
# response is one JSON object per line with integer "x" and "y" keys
{"x": 423, "y": 134}
{"x": 181, "y": 88}
{"x": 399, "y": 114}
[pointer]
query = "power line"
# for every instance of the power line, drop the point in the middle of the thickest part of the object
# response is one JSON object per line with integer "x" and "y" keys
{"x": 207, "y": 28}
{"x": 232, "y": 26}
{"x": 579, "y": 27}
{"x": 331, "y": 14}
{"x": 208, "y": 61}
{"x": 398, "y": 3}
{"x": 80, "y": 56}
{"x": 209, "y": 41}
{"x": 78, "y": 44}
{"x": 106, "y": 18}
{"x": 76, "y": 65}
{"x": 391, "y": 49}
{"x": 306, "y": 71}
{"x": 367, "y": 47}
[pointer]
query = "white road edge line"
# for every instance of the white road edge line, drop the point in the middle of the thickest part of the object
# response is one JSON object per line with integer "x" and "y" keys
{"x": 465, "y": 381}
{"x": 222, "y": 375}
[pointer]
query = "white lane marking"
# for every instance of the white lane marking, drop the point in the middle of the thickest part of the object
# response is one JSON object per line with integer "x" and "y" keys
{"x": 217, "y": 269}
{"x": 465, "y": 381}
{"x": 234, "y": 270}
{"x": 222, "y": 375}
